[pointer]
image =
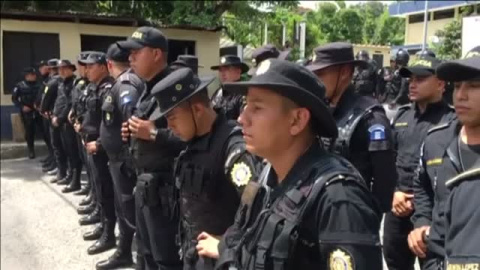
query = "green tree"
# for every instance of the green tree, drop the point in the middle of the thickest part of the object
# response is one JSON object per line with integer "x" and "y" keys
{"x": 450, "y": 45}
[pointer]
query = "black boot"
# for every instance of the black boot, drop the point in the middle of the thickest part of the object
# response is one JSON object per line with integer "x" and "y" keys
{"x": 87, "y": 209}
{"x": 75, "y": 183}
{"x": 93, "y": 218}
{"x": 60, "y": 177}
{"x": 84, "y": 190}
{"x": 106, "y": 241}
{"x": 31, "y": 154}
{"x": 66, "y": 180}
{"x": 87, "y": 200}
{"x": 122, "y": 256}
{"x": 95, "y": 234}
{"x": 49, "y": 166}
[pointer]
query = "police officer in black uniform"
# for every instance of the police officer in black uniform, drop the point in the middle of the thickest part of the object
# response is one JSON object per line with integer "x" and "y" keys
{"x": 185, "y": 60}
{"x": 411, "y": 125}
{"x": 365, "y": 78}
{"x": 230, "y": 69}
{"x": 396, "y": 90}
{"x": 212, "y": 172}
{"x": 23, "y": 96}
{"x": 154, "y": 149}
{"x": 310, "y": 209}
{"x": 364, "y": 134}
{"x": 100, "y": 85}
{"x": 63, "y": 103}
{"x": 48, "y": 163}
{"x": 117, "y": 108}
{"x": 46, "y": 108}
{"x": 462, "y": 157}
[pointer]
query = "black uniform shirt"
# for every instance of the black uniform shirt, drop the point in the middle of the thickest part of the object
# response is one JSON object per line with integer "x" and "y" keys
{"x": 157, "y": 155}
{"x": 411, "y": 128}
{"x": 50, "y": 93}
{"x": 24, "y": 93}
{"x": 371, "y": 145}
{"x": 338, "y": 231}
{"x": 470, "y": 155}
{"x": 63, "y": 103}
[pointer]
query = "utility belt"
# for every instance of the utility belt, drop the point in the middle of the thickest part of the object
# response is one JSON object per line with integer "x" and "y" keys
{"x": 155, "y": 190}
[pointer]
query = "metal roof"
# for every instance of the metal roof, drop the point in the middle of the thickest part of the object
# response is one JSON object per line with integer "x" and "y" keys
{"x": 412, "y": 7}
{"x": 105, "y": 19}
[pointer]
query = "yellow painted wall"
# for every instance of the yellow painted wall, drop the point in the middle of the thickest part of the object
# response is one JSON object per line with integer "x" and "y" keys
{"x": 207, "y": 43}
{"x": 414, "y": 31}
{"x": 372, "y": 49}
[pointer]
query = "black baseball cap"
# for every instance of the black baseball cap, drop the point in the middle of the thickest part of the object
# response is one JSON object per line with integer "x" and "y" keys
{"x": 296, "y": 83}
{"x": 117, "y": 54}
{"x": 177, "y": 87}
{"x": 95, "y": 58}
{"x": 82, "y": 57}
{"x": 29, "y": 70}
{"x": 465, "y": 69}
{"x": 145, "y": 36}
{"x": 231, "y": 61}
{"x": 423, "y": 66}
{"x": 42, "y": 63}
{"x": 52, "y": 63}
{"x": 335, "y": 53}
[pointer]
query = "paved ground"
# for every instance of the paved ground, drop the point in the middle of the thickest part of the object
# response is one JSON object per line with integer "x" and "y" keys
{"x": 39, "y": 224}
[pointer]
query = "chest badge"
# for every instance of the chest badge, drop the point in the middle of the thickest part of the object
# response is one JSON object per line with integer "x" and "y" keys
{"x": 339, "y": 260}
{"x": 108, "y": 99}
{"x": 107, "y": 116}
{"x": 241, "y": 174}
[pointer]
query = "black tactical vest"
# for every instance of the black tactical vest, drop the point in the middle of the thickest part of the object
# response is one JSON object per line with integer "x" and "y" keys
{"x": 392, "y": 88}
{"x": 276, "y": 237}
{"x": 93, "y": 105}
{"x": 27, "y": 93}
{"x": 208, "y": 199}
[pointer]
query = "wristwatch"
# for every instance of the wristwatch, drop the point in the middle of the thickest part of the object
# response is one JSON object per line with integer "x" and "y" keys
{"x": 153, "y": 133}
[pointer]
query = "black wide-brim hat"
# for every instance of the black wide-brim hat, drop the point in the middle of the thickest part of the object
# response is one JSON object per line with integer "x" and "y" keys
{"x": 295, "y": 83}
{"x": 332, "y": 54}
{"x": 177, "y": 87}
{"x": 231, "y": 61}
{"x": 465, "y": 69}
{"x": 66, "y": 63}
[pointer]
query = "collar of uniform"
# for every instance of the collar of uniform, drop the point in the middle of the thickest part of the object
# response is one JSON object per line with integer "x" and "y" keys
{"x": 432, "y": 107}
{"x": 202, "y": 143}
{"x": 345, "y": 102}
{"x": 106, "y": 80}
{"x": 69, "y": 79}
{"x": 162, "y": 74}
{"x": 301, "y": 166}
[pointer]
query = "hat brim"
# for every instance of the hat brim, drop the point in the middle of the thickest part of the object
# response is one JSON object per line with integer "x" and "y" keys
{"x": 460, "y": 70}
{"x": 159, "y": 112}
{"x": 317, "y": 66}
{"x": 243, "y": 66}
{"x": 407, "y": 72}
{"x": 325, "y": 123}
{"x": 130, "y": 44}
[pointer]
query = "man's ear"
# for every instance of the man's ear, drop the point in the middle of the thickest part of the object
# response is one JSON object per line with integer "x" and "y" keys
{"x": 300, "y": 119}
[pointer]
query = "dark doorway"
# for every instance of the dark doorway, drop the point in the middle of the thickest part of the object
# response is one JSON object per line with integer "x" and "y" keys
{"x": 378, "y": 58}
{"x": 98, "y": 43}
{"x": 179, "y": 47}
{"x": 25, "y": 49}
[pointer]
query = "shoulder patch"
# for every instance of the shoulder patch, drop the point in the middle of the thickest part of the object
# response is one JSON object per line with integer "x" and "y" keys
{"x": 463, "y": 176}
{"x": 125, "y": 77}
{"x": 126, "y": 100}
{"x": 241, "y": 174}
{"x": 341, "y": 260}
{"x": 46, "y": 89}
{"x": 377, "y": 132}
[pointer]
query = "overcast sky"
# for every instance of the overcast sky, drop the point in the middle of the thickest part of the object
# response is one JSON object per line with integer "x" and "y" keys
{"x": 312, "y": 4}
